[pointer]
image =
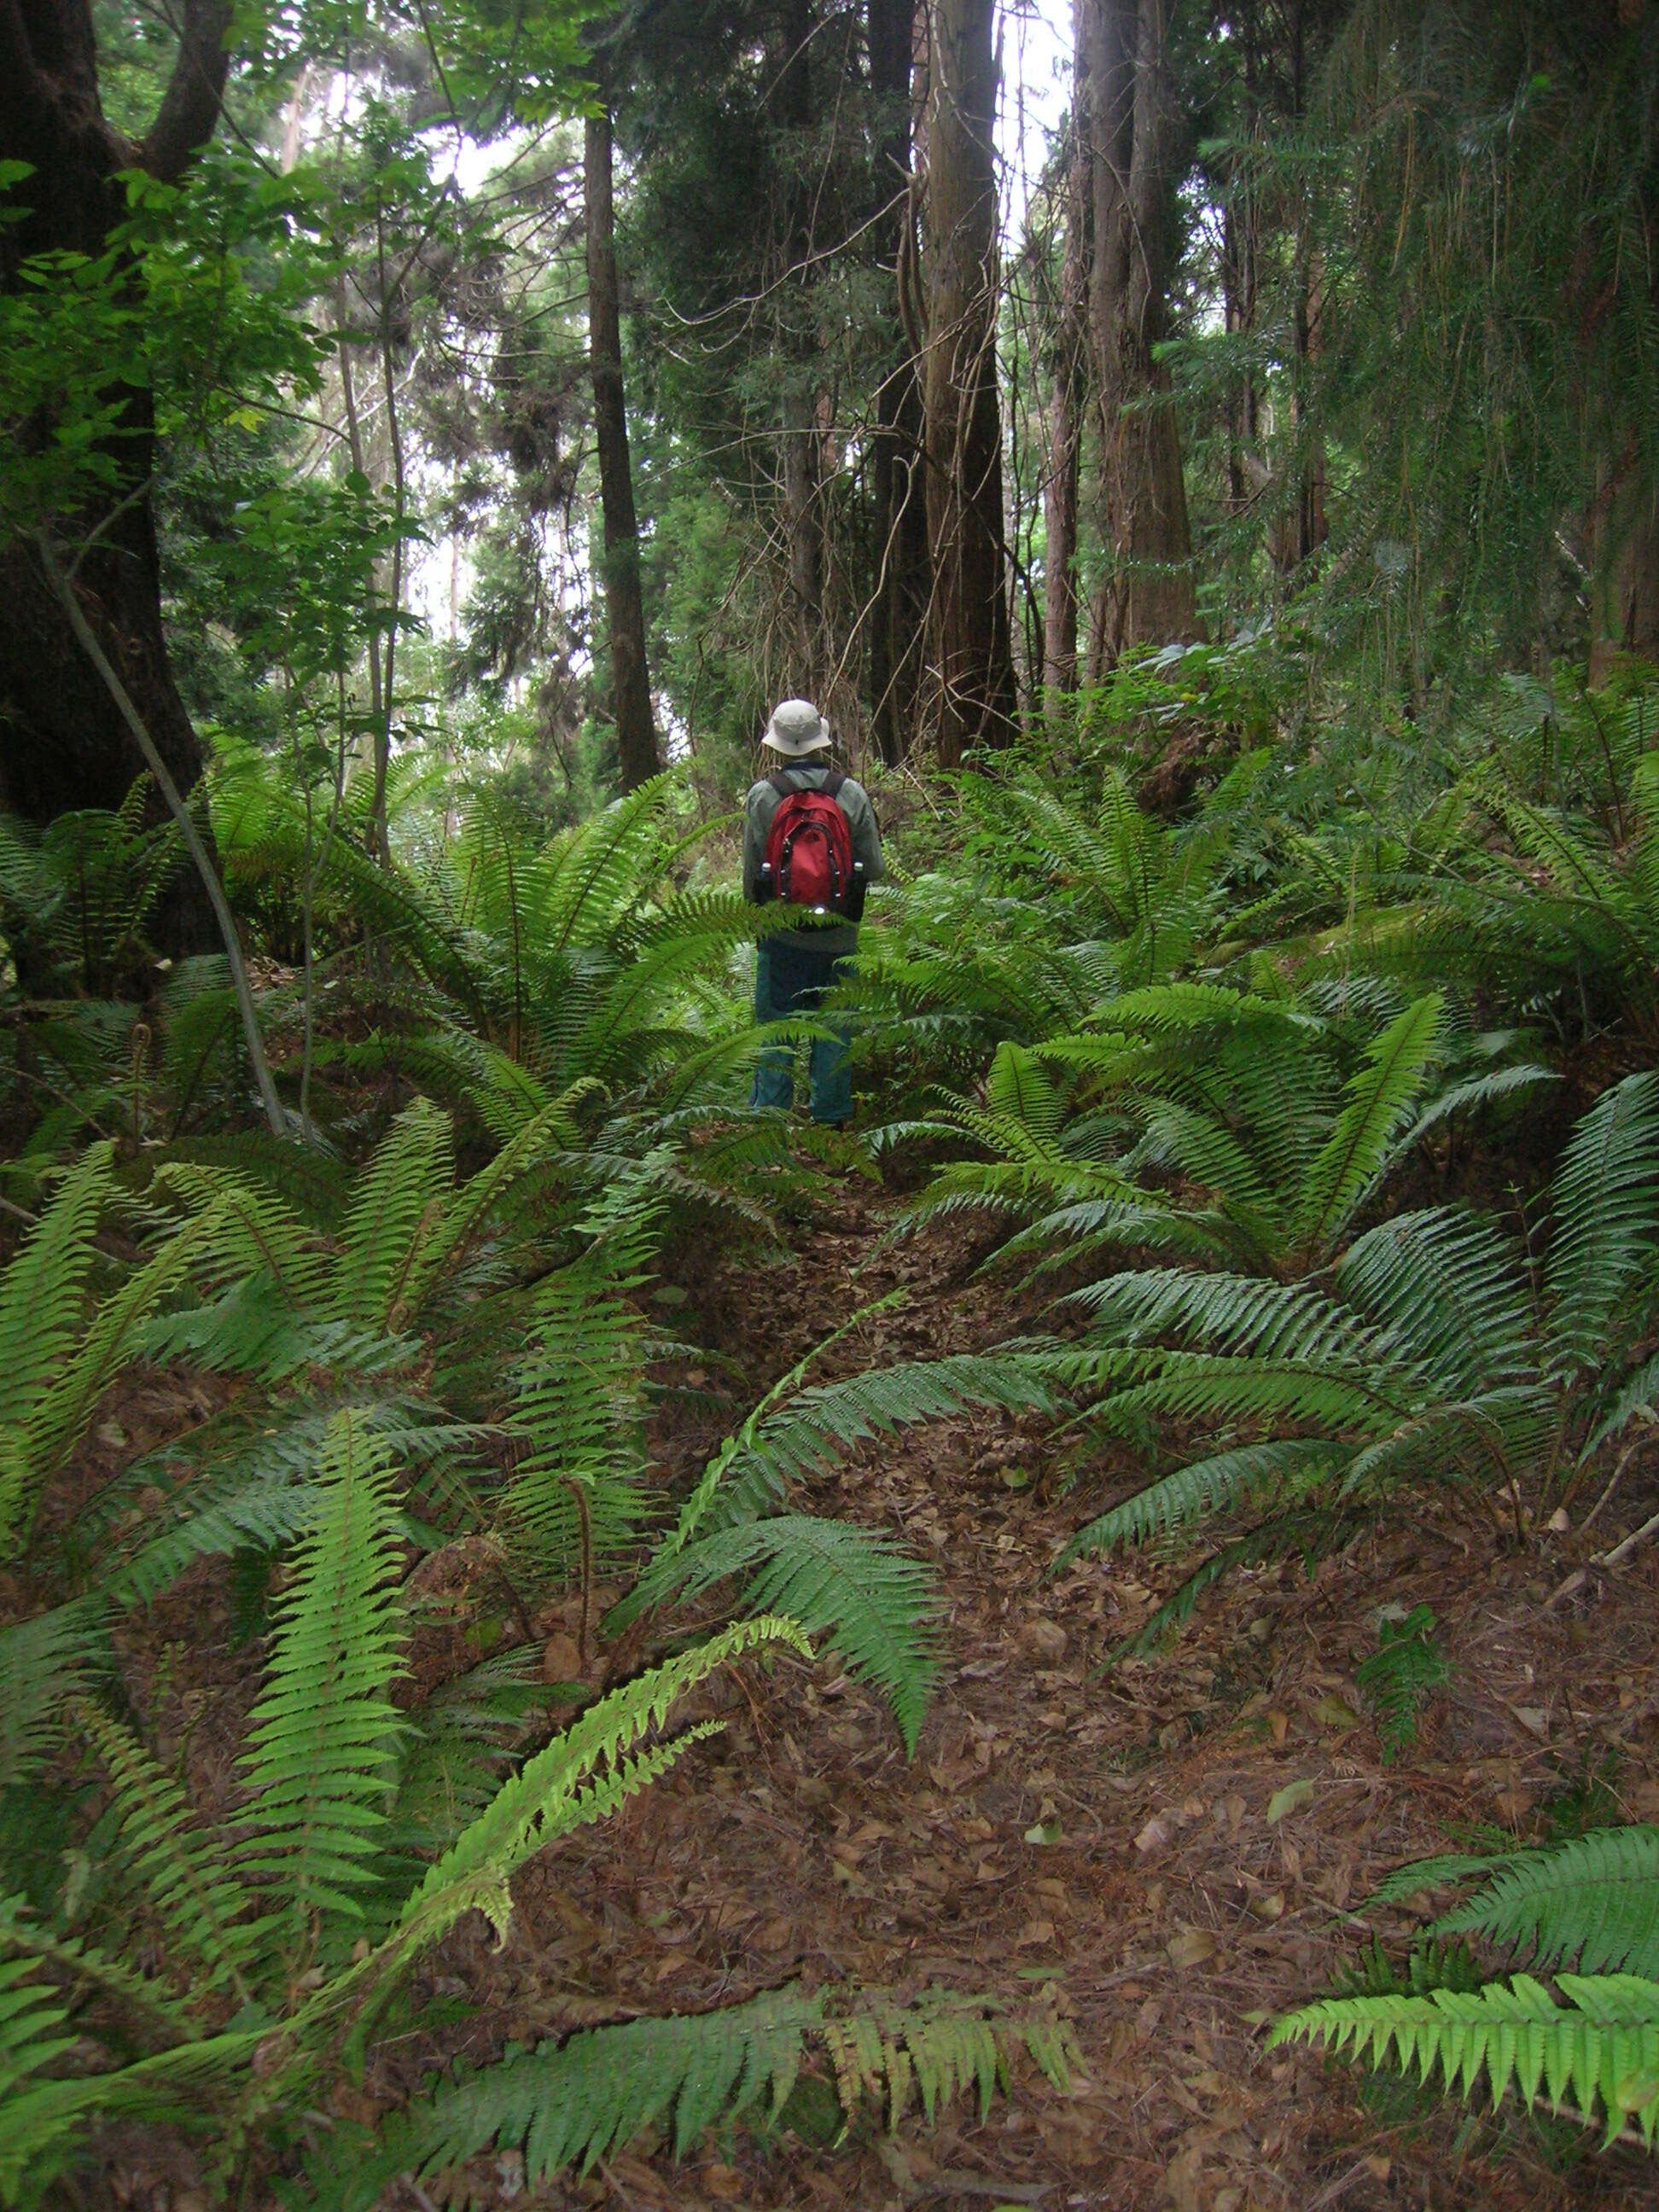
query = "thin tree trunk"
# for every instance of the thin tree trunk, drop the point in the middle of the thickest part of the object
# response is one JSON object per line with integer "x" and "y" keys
{"x": 382, "y": 831}
{"x": 801, "y": 472}
{"x": 964, "y": 414}
{"x": 1063, "y": 424}
{"x": 636, "y": 734}
{"x": 898, "y": 583}
{"x": 62, "y": 588}
{"x": 1145, "y": 519}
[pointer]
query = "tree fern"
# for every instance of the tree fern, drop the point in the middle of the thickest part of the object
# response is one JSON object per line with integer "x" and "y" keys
{"x": 1598, "y": 2050}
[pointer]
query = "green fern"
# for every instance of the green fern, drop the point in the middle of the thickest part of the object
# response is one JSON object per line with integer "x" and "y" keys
{"x": 1379, "y": 1097}
{"x": 1593, "y": 1902}
{"x": 180, "y": 1871}
{"x": 1605, "y": 1214}
{"x": 393, "y": 1217}
{"x": 1598, "y": 2051}
{"x": 1406, "y": 1667}
{"x": 576, "y": 2103}
{"x": 321, "y": 1746}
{"x": 877, "y": 1606}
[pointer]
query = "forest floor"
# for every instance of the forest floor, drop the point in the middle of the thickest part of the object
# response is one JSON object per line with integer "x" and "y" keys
{"x": 1165, "y": 1911}
{"x": 1100, "y": 1845}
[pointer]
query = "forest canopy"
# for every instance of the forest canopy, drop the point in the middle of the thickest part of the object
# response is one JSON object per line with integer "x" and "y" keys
{"x": 666, "y": 1539}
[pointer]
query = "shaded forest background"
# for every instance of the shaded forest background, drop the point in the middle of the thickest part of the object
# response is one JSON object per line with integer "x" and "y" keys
{"x": 1323, "y": 340}
{"x": 560, "y": 1636}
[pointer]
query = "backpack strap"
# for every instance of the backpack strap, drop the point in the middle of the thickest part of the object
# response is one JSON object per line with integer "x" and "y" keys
{"x": 830, "y": 786}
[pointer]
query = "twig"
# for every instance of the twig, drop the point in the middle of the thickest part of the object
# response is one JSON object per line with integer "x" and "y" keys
{"x": 1636, "y": 1536}
{"x": 63, "y": 591}
{"x": 1648, "y": 1436}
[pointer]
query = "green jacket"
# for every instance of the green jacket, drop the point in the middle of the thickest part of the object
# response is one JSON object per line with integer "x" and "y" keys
{"x": 761, "y": 804}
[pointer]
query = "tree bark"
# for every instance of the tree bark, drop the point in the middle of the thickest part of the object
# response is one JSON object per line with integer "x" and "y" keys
{"x": 963, "y": 411}
{"x": 1132, "y": 152}
{"x": 636, "y": 734}
{"x": 898, "y": 578}
{"x": 66, "y": 743}
{"x": 1062, "y": 415}
{"x": 801, "y": 473}
{"x": 1624, "y": 589}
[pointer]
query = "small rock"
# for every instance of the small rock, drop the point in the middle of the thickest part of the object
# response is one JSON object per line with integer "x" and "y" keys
{"x": 562, "y": 1660}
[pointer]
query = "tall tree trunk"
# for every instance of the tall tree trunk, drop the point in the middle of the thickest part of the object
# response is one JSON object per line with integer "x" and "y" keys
{"x": 963, "y": 416}
{"x": 636, "y": 734}
{"x": 66, "y": 743}
{"x": 802, "y": 384}
{"x": 898, "y": 570}
{"x": 1624, "y": 545}
{"x": 1145, "y": 520}
{"x": 1063, "y": 422}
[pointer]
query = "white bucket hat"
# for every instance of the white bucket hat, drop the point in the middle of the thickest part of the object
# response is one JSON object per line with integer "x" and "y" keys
{"x": 796, "y": 728}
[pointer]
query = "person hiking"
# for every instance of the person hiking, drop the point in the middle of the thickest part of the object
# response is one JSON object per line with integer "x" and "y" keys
{"x": 809, "y": 840}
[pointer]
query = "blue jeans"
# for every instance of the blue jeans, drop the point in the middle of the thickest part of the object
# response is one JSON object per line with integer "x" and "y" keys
{"x": 791, "y": 977}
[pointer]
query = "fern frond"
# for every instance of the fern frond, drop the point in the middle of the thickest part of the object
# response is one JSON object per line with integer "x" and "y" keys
{"x": 1219, "y": 1484}
{"x": 1604, "y": 1218}
{"x": 575, "y": 2103}
{"x": 180, "y": 1870}
{"x": 1601, "y": 2047}
{"x": 875, "y": 1603}
{"x": 1593, "y": 1901}
{"x": 1450, "y": 1289}
{"x": 40, "y": 1299}
{"x": 319, "y": 1758}
{"x": 394, "y": 1217}
{"x": 782, "y": 1444}
{"x": 23, "y": 1939}
{"x": 44, "y": 1663}
{"x": 1406, "y": 1665}
{"x": 557, "y": 1790}
{"x": 1379, "y": 1098}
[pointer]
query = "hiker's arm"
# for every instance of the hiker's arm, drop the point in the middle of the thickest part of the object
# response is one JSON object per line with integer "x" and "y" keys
{"x": 866, "y": 837}
{"x": 754, "y": 845}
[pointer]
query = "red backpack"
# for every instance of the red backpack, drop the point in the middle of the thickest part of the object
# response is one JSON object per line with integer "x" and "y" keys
{"x": 809, "y": 849}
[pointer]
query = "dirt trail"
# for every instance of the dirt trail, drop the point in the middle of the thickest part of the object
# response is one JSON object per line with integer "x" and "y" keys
{"x": 1162, "y": 1905}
